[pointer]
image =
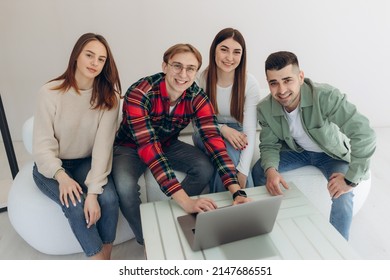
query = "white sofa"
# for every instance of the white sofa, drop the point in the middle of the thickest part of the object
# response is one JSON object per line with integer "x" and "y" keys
{"x": 41, "y": 223}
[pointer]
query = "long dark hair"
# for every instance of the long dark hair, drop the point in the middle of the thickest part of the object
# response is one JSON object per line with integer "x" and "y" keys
{"x": 105, "y": 85}
{"x": 238, "y": 89}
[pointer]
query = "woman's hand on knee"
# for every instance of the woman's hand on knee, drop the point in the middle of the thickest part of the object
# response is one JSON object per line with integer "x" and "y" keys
{"x": 237, "y": 139}
{"x": 69, "y": 189}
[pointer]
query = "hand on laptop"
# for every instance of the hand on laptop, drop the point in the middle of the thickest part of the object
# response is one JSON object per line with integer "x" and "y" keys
{"x": 199, "y": 205}
{"x": 193, "y": 205}
{"x": 204, "y": 204}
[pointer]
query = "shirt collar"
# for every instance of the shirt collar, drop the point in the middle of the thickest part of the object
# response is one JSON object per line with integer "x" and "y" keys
{"x": 164, "y": 92}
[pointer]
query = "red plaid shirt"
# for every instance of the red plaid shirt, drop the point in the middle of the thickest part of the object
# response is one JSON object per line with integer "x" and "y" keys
{"x": 147, "y": 125}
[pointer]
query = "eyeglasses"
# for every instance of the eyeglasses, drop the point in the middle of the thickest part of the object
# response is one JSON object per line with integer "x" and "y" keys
{"x": 178, "y": 67}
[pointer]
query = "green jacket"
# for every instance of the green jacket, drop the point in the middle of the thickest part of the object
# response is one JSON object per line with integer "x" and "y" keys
{"x": 329, "y": 120}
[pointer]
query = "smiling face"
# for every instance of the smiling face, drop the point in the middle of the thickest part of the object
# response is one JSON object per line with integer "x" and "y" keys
{"x": 178, "y": 82}
{"x": 90, "y": 63}
{"x": 228, "y": 55}
{"x": 285, "y": 85}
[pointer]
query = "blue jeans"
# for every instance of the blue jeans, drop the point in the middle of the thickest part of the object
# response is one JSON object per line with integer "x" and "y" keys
{"x": 128, "y": 168}
{"x": 216, "y": 184}
{"x": 342, "y": 207}
{"x": 91, "y": 239}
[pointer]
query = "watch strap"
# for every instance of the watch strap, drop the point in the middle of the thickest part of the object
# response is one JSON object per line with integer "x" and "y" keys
{"x": 349, "y": 183}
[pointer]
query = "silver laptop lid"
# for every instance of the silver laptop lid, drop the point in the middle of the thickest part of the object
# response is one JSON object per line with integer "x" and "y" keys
{"x": 229, "y": 224}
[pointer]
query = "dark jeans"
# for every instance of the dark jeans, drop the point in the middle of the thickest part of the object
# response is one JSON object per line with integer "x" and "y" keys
{"x": 91, "y": 239}
{"x": 128, "y": 168}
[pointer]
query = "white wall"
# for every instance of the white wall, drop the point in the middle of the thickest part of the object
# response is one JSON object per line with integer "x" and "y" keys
{"x": 344, "y": 43}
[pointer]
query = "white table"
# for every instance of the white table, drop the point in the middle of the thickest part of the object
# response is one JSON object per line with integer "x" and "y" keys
{"x": 300, "y": 232}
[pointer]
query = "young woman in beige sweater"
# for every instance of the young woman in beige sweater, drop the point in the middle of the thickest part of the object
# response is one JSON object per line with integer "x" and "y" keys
{"x": 74, "y": 127}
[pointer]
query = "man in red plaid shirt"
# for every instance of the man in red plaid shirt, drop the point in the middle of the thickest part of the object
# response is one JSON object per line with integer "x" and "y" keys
{"x": 155, "y": 110}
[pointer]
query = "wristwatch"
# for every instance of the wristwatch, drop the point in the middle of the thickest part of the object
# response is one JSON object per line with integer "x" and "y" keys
{"x": 351, "y": 184}
{"x": 239, "y": 193}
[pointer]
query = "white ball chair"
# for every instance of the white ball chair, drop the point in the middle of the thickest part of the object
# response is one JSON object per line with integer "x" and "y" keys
{"x": 38, "y": 219}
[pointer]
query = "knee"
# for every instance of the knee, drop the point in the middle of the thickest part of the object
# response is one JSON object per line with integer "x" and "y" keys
{"x": 74, "y": 212}
{"x": 109, "y": 199}
{"x": 126, "y": 185}
{"x": 128, "y": 192}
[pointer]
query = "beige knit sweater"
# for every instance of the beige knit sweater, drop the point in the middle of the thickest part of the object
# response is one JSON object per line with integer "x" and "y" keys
{"x": 65, "y": 127}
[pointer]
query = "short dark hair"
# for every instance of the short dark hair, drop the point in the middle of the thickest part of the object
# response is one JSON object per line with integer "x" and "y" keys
{"x": 279, "y": 60}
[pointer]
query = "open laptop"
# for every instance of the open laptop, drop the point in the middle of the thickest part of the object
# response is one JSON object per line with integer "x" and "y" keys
{"x": 231, "y": 223}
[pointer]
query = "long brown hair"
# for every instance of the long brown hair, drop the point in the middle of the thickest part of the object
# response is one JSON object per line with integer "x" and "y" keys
{"x": 238, "y": 89}
{"x": 105, "y": 85}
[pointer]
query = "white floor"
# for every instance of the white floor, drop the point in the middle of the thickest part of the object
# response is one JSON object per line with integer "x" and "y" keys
{"x": 369, "y": 233}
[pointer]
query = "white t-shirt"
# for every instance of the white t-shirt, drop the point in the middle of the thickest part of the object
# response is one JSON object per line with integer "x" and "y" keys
{"x": 249, "y": 125}
{"x": 298, "y": 132}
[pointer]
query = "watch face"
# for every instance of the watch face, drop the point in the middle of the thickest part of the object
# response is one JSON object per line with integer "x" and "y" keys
{"x": 241, "y": 193}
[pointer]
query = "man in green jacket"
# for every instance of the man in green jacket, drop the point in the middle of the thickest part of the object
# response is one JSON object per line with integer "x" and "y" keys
{"x": 306, "y": 123}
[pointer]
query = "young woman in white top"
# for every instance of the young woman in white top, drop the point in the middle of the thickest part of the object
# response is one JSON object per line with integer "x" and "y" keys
{"x": 74, "y": 128}
{"x": 234, "y": 94}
